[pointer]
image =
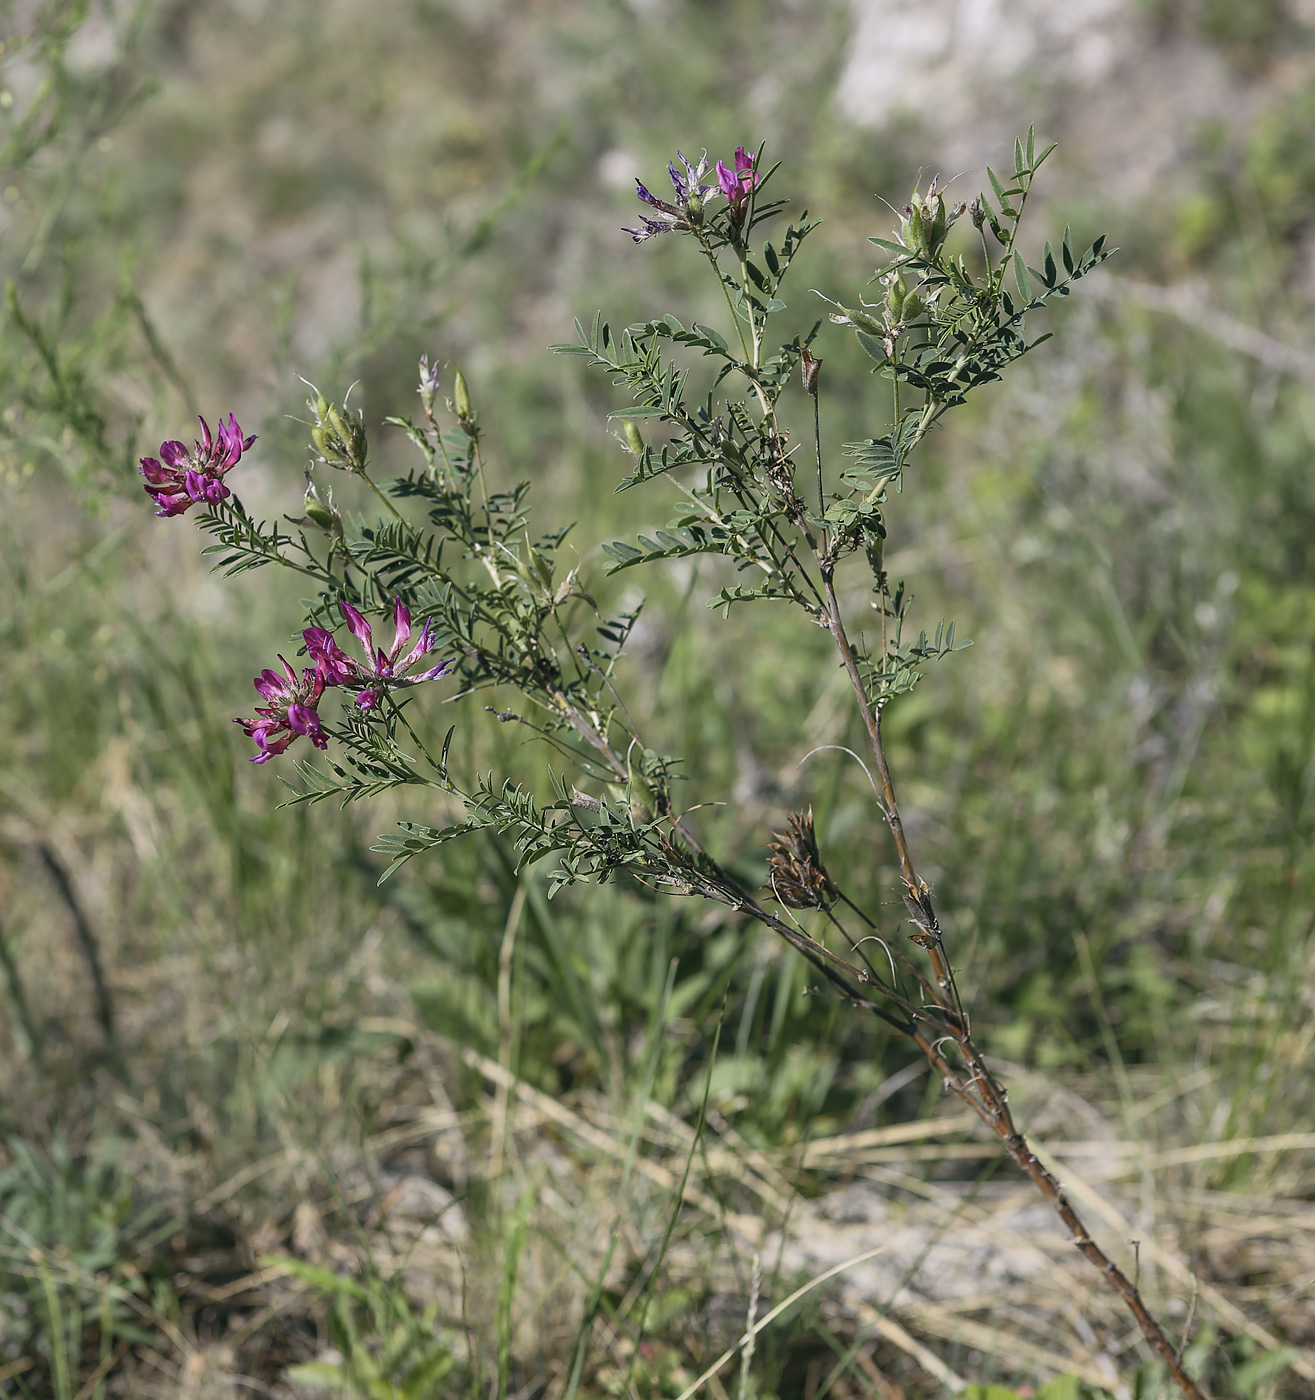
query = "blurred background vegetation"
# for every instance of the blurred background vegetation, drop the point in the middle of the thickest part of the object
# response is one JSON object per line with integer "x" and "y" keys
{"x": 255, "y": 1117}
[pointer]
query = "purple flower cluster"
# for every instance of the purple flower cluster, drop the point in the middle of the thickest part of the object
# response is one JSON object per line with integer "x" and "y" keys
{"x": 293, "y": 700}
{"x": 383, "y": 669}
{"x": 179, "y": 479}
{"x": 685, "y": 214}
{"x": 291, "y": 711}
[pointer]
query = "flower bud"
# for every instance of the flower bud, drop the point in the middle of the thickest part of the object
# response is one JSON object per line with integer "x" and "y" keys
{"x": 317, "y": 512}
{"x": 460, "y": 404}
{"x": 323, "y": 514}
{"x": 634, "y": 439}
{"x": 895, "y": 294}
{"x": 912, "y": 308}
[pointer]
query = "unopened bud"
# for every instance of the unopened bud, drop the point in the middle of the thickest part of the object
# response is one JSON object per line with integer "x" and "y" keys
{"x": 320, "y": 513}
{"x": 912, "y": 308}
{"x": 460, "y": 404}
{"x": 634, "y": 439}
{"x": 977, "y": 212}
{"x": 462, "y": 394}
{"x": 895, "y": 295}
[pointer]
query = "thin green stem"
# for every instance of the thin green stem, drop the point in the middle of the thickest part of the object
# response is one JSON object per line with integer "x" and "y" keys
{"x": 387, "y": 504}
{"x": 730, "y": 305}
{"x": 748, "y": 306}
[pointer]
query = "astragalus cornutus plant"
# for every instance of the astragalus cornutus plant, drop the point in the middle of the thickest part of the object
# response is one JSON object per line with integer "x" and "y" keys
{"x": 744, "y": 456}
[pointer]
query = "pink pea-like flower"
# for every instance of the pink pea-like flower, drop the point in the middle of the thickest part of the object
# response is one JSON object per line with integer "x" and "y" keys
{"x": 180, "y": 479}
{"x": 739, "y": 184}
{"x": 291, "y": 711}
{"x": 384, "y": 670}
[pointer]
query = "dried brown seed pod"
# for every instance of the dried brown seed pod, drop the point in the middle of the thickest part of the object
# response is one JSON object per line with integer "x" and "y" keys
{"x": 797, "y": 876}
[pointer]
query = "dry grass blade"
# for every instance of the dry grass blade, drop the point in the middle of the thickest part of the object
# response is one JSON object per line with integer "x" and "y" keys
{"x": 771, "y": 1316}
{"x": 1303, "y": 1364}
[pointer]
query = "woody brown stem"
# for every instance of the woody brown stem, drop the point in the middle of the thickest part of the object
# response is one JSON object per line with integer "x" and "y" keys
{"x": 982, "y": 1092}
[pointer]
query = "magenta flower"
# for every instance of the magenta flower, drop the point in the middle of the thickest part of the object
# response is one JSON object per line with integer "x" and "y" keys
{"x": 686, "y": 214}
{"x": 180, "y": 479}
{"x": 739, "y": 184}
{"x": 292, "y": 702}
{"x": 386, "y": 669}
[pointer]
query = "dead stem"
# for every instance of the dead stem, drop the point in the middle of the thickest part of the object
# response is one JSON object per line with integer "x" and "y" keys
{"x": 975, "y": 1084}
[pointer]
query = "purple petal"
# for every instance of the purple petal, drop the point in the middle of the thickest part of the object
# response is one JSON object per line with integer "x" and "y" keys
{"x": 206, "y": 440}
{"x": 338, "y": 668}
{"x": 652, "y": 227}
{"x": 174, "y": 453}
{"x": 401, "y": 629}
{"x": 743, "y": 160}
{"x": 231, "y": 443}
{"x": 368, "y": 699}
{"x": 169, "y": 502}
{"x": 270, "y": 685}
{"x": 729, "y": 182}
{"x": 303, "y": 720}
{"x": 423, "y": 646}
{"x": 360, "y": 628}
{"x": 154, "y": 472}
{"x": 441, "y": 669}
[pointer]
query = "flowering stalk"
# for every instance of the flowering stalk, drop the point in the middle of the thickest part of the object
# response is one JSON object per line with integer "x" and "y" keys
{"x": 942, "y": 332}
{"x": 499, "y": 604}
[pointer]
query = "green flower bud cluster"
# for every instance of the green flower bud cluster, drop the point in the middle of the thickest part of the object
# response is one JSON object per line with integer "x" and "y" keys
{"x": 902, "y": 305}
{"x": 338, "y": 436}
{"x": 925, "y": 221}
